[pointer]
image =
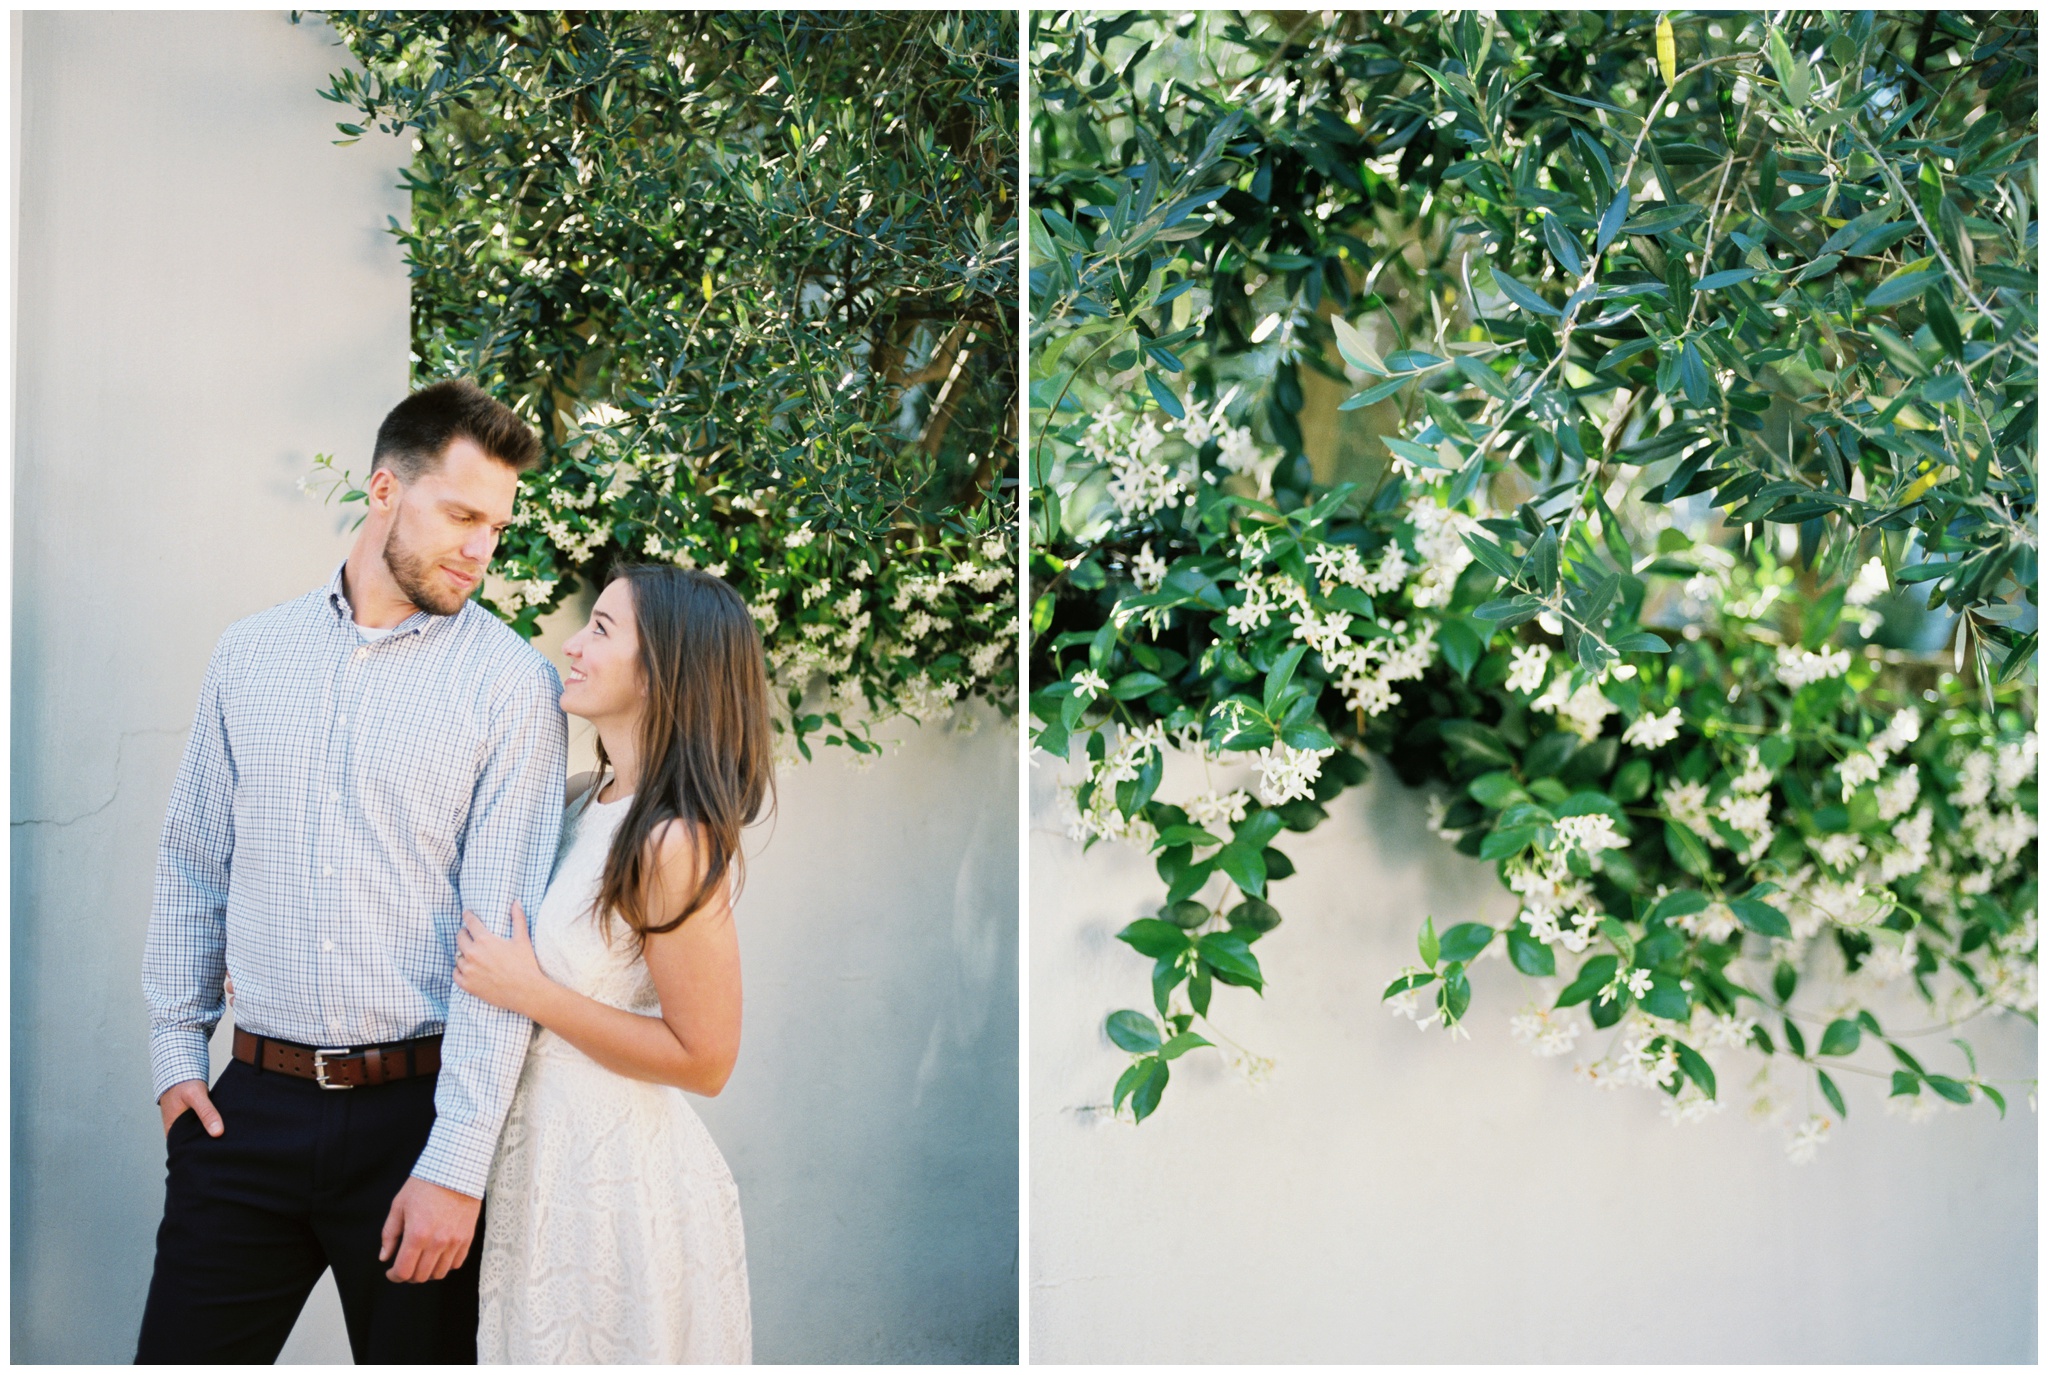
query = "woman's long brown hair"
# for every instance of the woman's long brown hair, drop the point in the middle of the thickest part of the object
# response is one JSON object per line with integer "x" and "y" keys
{"x": 704, "y": 746}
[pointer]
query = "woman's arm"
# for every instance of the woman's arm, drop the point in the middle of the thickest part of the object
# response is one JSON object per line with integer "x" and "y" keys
{"x": 696, "y": 971}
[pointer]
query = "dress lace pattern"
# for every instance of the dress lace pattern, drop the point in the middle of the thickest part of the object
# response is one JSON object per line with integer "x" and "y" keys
{"x": 612, "y": 1227}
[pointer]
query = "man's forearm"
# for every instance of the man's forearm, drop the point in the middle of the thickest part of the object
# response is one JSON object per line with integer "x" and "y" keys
{"x": 481, "y": 1054}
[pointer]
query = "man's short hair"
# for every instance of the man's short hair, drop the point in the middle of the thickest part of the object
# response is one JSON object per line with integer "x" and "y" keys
{"x": 415, "y": 436}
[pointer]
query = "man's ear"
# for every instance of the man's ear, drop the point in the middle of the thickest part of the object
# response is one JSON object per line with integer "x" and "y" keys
{"x": 383, "y": 488}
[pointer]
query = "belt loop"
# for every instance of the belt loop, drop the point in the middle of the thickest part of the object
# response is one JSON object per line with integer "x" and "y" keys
{"x": 259, "y": 1052}
{"x": 373, "y": 1066}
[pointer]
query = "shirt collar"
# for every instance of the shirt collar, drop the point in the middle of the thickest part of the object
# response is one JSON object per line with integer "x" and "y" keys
{"x": 417, "y": 623}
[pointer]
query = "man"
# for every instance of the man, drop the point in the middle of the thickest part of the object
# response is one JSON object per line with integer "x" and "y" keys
{"x": 366, "y": 762}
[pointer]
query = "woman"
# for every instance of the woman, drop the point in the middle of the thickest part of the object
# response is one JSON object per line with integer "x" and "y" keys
{"x": 613, "y": 1233}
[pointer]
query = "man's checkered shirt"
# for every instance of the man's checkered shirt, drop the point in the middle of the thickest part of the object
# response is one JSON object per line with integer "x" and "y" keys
{"x": 340, "y": 804}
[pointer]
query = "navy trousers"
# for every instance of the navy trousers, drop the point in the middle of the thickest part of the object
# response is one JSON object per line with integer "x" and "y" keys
{"x": 300, "y": 1181}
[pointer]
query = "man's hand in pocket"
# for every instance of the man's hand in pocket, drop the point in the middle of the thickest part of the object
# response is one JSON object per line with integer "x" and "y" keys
{"x": 189, "y": 1094}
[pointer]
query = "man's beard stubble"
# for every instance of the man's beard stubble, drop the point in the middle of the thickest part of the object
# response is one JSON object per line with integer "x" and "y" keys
{"x": 414, "y": 576}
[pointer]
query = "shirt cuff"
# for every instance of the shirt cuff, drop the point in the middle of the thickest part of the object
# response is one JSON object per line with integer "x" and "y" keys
{"x": 457, "y": 1157}
{"x": 177, "y": 1053}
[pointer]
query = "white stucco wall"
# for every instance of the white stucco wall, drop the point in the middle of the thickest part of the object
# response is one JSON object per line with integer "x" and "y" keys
{"x": 206, "y": 298}
{"x": 1387, "y": 1195}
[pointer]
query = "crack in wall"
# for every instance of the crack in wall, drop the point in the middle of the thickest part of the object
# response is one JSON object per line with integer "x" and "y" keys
{"x": 120, "y": 746}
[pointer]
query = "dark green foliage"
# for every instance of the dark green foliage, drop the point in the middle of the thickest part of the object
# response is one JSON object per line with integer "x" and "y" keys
{"x": 1707, "y": 408}
{"x": 751, "y": 275}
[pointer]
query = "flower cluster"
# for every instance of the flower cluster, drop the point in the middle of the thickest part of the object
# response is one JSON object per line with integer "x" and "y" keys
{"x": 1152, "y": 465}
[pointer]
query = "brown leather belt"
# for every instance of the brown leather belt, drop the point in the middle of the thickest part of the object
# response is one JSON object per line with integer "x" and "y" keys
{"x": 345, "y": 1068}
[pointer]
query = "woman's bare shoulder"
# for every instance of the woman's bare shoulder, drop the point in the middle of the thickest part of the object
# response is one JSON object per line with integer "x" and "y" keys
{"x": 672, "y": 845}
{"x": 676, "y": 861}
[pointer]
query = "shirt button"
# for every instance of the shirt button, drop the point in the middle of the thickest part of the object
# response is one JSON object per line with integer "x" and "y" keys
{"x": 334, "y": 794}
{"x": 327, "y": 947}
{"x": 327, "y": 871}
{"x": 363, "y": 653}
{"x": 341, "y": 720}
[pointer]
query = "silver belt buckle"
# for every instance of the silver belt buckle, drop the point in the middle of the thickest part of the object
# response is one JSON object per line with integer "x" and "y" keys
{"x": 320, "y": 1067}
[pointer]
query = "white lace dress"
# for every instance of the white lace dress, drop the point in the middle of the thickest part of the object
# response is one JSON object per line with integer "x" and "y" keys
{"x": 611, "y": 1225}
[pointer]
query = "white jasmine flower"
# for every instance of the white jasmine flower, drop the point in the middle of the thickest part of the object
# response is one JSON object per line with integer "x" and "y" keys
{"x": 982, "y": 661}
{"x": 1088, "y": 684}
{"x": 1140, "y": 486}
{"x": 1797, "y": 667}
{"x": 1751, "y": 815}
{"x": 2013, "y": 983}
{"x": 1255, "y": 611}
{"x": 1806, "y": 1140}
{"x": 799, "y": 537}
{"x": 1724, "y": 1030}
{"x": 1529, "y": 664}
{"x": 1286, "y": 773}
{"x": 1238, "y": 452}
{"x": 1897, "y": 794}
{"x": 1214, "y": 809}
{"x": 1404, "y": 1004}
{"x": 1915, "y": 847}
{"x": 1101, "y": 820}
{"x": 1581, "y": 711}
{"x": 1716, "y": 922}
{"x": 1745, "y": 814}
{"x": 1651, "y": 731}
{"x": 1887, "y": 963}
{"x": 1857, "y": 769}
{"x": 1592, "y": 833}
{"x": 1755, "y": 777}
{"x": 1546, "y": 1031}
{"x": 1686, "y": 803}
{"x": 1366, "y": 671}
{"x": 1368, "y": 693}
{"x": 1903, "y": 731}
{"x": 1335, "y": 563}
{"x": 1389, "y": 573}
{"x": 1327, "y": 634}
{"x": 1841, "y": 851}
{"x": 1996, "y": 837}
{"x": 922, "y": 699}
{"x": 1439, "y": 543}
{"x": 2016, "y": 760}
{"x": 1975, "y": 783}
{"x": 1690, "y": 1105}
{"x": 1148, "y": 569}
